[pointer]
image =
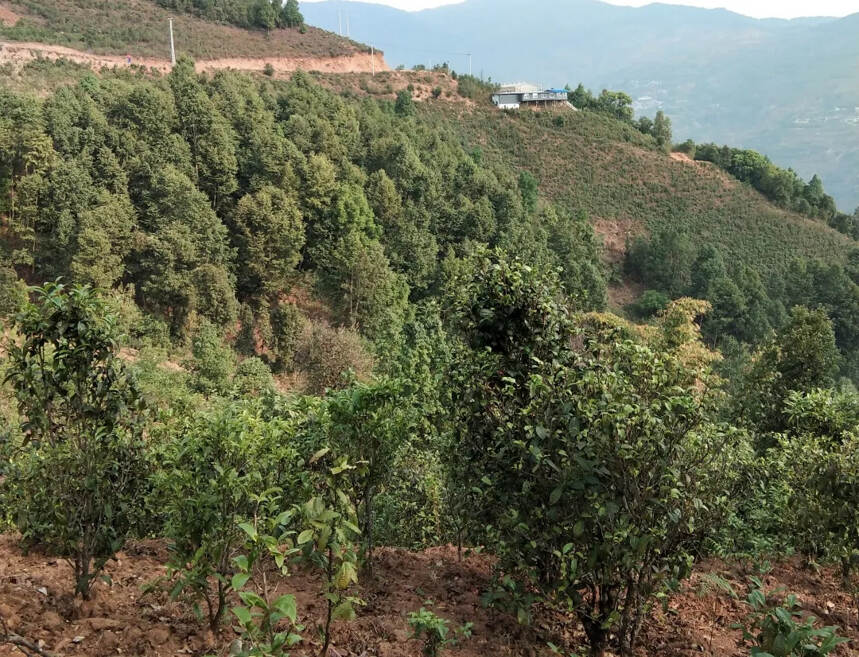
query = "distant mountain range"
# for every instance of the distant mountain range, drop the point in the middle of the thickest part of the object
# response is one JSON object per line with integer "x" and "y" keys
{"x": 787, "y": 88}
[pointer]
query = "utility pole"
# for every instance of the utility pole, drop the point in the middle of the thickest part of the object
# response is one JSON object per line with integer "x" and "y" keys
{"x": 469, "y": 64}
{"x": 348, "y": 32}
{"x": 340, "y": 22}
{"x": 172, "y": 47}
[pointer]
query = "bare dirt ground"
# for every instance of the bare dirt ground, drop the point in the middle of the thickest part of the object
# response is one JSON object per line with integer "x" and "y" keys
{"x": 8, "y": 17}
{"x": 19, "y": 53}
{"x": 123, "y": 620}
{"x": 682, "y": 157}
{"x": 615, "y": 234}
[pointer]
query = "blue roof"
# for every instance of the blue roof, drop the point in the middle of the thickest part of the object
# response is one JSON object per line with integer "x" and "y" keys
{"x": 557, "y": 91}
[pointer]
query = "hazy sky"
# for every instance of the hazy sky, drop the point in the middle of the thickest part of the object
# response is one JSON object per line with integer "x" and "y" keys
{"x": 757, "y": 8}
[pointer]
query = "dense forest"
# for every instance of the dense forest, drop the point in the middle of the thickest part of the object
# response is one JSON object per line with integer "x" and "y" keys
{"x": 282, "y": 327}
{"x": 266, "y": 14}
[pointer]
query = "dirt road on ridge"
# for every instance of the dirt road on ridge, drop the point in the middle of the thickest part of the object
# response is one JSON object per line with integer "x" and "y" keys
{"x": 19, "y": 53}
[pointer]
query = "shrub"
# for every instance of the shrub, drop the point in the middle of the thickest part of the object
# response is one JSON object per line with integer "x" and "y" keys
{"x": 214, "y": 469}
{"x": 651, "y": 303}
{"x": 404, "y": 105}
{"x": 326, "y": 354}
{"x": 367, "y": 424}
{"x": 287, "y": 325}
{"x": 13, "y": 292}
{"x": 252, "y": 378}
{"x": 328, "y": 538}
{"x": 410, "y": 508}
{"x": 77, "y": 487}
{"x": 268, "y": 69}
{"x": 553, "y": 425}
{"x": 260, "y": 615}
{"x": 212, "y": 362}
{"x": 782, "y": 629}
{"x": 435, "y": 631}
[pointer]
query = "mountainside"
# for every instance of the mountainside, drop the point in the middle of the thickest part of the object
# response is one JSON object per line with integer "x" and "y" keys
{"x": 592, "y": 163}
{"x": 140, "y": 28}
{"x": 720, "y": 76}
{"x": 339, "y": 364}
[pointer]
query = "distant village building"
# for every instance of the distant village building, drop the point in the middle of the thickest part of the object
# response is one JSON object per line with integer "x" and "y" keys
{"x": 513, "y": 96}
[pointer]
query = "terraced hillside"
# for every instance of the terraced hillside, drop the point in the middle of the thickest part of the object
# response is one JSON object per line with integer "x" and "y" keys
{"x": 585, "y": 161}
{"x": 139, "y": 28}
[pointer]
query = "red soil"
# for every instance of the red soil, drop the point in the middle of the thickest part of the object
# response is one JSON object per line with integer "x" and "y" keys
{"x": 122, "y": 620}
{"x": 19, "y": 53}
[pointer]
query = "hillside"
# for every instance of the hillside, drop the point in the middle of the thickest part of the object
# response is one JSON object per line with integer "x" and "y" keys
{"x": 720, "y": 76}
{"x": 589, "y": 162}
{"x": 324, "y": 364}
{"x": 140, "y": 28}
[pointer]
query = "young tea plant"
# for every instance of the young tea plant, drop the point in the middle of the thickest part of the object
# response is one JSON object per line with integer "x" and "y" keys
{"x": 267, "y": 625}
{"x": 435, "y": 631}
{"x": 775, "y": 629}
{"x": 329, "y": 542}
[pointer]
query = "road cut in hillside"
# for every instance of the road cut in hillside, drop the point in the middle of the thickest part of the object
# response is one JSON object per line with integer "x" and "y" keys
{"x": 19, "y": 53}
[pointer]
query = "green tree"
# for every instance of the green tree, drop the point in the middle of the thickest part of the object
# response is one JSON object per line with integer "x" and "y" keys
{"x": 801, "y": 356}
{"x": 270, "y": 234}
{"x": 662, "y": 130}
{"x": 78, "y": 486}
{"x": 363, "y": 290}
{"x": 528, "y": 189}
{"x": 708, "y": 267}
{"x": 206, "y": 132}
{"x": 263, "y": 14}
{"x": 13, "y": 292}
{"x": 663, "y": 262}
{"x": 212, "y": 362}
{"x": 215, "y": 469}
{"x": 291, "y": 14}
{"x": 368, "y": 423}
{"x": 552, "y": 424}
{"x": 616, "y": 104}
{"x": 404, "y": 106}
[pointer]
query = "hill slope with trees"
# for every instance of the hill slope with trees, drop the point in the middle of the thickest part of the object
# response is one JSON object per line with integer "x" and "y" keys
{"x": 140, "y": 28}
{"x": 272, "y": 336}
{"x": 721, "y": 76}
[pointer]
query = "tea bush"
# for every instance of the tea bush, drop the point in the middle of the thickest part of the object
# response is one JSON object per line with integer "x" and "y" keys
{"x": 213, "y": 472}
{"x": 77, "y": 484}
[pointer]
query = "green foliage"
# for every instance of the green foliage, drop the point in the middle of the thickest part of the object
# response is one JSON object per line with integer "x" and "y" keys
{"x": 664, "y": 261}
{"x": 365, "y": 293}
{"x": 651, "y": 303}
{"x": 287, "y": 327}
{"x": 214, "y": 468}
{"x": 271, "y": 235}
{"x": 781, "y": 186}
{"x": 252, "y": 378}
{"x": 260, "y": 616}
{"x": 411, "y": 508}
{"x": 265, "y": 14}
{"x": 13, "y": 292}
{"x": 799, "y": 357}
{"x": 326, "y": 355}
{"x": 77, "y": 485}
{"x": 404, "y": 106}
{"x": 435, "y": 631}
{"x": 212, "y": 363}
{"x": 327, "y": 542}
{"x": 528, "y": 189}
{"x": 469, "y": 86}
{"x": 367, "y": 424}
{"x": 552, "y": 440}
{"x": 782, "y": 629}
